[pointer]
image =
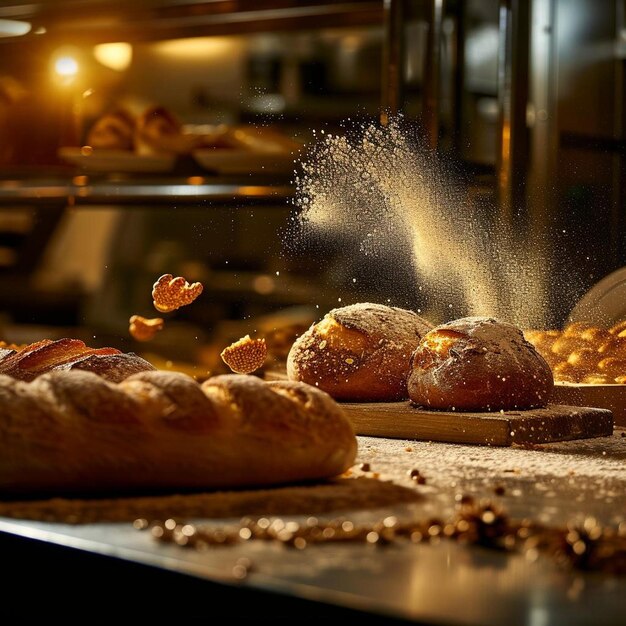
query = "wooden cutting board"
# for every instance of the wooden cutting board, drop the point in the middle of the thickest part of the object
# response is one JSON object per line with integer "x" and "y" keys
{"x": 612, "y": 397}
{"x": 401, "y": 420}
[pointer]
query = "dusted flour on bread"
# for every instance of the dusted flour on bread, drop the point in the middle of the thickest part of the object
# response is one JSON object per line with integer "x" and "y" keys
{"x": 359, "y": 352}
{"x": 371, "y": 319}
{"x": 478, "y": 364}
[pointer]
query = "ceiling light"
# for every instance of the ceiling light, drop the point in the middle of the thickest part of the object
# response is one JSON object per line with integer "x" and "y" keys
{"x": 116, "y": 56}
{"x": 13, "y": 28}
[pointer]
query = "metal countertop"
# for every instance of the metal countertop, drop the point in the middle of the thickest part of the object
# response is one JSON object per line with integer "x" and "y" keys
{"x": 442, "y": 583}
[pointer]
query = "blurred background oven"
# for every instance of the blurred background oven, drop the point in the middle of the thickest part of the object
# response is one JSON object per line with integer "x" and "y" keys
{"x": 526, "y": 99}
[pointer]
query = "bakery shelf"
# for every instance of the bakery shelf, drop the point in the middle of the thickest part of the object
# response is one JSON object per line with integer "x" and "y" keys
{"x": 128, "y": 191}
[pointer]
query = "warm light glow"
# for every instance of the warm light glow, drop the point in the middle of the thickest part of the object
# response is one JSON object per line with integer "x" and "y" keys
{"x": 263, "y": 284}
{"x": 66, "y": 67}
{"x": 116, "y": 56}
{"x": 13, "y": 28}
{"x": 195, "y": 48}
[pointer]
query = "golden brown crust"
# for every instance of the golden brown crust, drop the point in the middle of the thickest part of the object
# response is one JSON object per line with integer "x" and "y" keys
{"x": 582, "y": 353}
{"x": 359, "y": 352}
{"x": 478, "y": 364}
{"x": 245, "y": 355}
{"x": 112, "y": 367}
{"x": 143, "y": 328}
{"x": 76, "y": 432}
{"x": 169, "y": 293}
{"x": 67, "y": 354}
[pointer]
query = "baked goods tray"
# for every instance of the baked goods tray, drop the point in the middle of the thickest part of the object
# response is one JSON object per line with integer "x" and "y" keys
{"x": 506, "y": 428}
{"x": 107, "y": 161}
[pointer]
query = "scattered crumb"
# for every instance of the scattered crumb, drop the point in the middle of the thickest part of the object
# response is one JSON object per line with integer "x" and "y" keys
{"x": 144, "y": 329}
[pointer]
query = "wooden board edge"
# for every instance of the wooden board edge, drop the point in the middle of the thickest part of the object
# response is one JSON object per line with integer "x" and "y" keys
{"x": 452, "y": 434}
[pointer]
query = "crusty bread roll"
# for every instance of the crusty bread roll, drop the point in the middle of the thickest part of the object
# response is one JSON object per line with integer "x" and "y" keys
{"x": 113, "y": 131}
{"x": 46, "y": 356}
{"x": 478, "y": 364}
{"x": 76, "y": 432}
{"x": 360, "y": 352}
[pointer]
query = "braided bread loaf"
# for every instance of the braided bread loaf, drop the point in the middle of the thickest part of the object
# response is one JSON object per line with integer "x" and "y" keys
{"x": 73, "y": 431}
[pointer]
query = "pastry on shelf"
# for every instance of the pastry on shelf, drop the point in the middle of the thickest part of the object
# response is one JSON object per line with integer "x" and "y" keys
{"x": 113, "y": 131}
{"x": 158, "y": 131}
{"x": 263, "y": 139}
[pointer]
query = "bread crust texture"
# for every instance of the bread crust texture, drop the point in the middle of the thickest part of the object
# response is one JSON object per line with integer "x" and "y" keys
{"x": 478, "y": 364}
{"x": 73, "y": 431}
{"x": 359, "y": 353}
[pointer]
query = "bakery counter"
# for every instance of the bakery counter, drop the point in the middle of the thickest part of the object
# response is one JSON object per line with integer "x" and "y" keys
{"x": 436, "y": 581}
{"x": 129, "y": 191}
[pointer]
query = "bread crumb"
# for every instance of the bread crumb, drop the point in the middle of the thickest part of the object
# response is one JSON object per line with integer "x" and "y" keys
{"x": 144, "y": 329}
{"x": 169, "y": 293}
{"x": 245, "y": 355}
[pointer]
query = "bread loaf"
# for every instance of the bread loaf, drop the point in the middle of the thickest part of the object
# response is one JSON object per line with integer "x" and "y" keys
{"x": 45, "y": 356}
{"x": 478, "y": 364}
{"x": 76, "y": 432}
{"x": 359, "y": 352}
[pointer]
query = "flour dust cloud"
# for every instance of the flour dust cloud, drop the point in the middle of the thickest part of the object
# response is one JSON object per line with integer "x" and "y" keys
{"x": 378, "y": 189}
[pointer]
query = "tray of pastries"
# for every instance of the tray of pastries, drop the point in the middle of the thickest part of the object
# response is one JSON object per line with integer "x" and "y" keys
{"x": 589, "y": 364}
{"x": 153, "y": 141}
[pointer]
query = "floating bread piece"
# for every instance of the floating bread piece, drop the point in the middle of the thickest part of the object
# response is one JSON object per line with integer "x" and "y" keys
{"x": 169, "y": 293}
{"x": 478, "y": 364}
{"x": 67, "y": 354}
{"x": 144, "y": 329}
{"x": 359, "y": 352}
{"x": 76, "y": 432}
{"x": 245, "y": 355}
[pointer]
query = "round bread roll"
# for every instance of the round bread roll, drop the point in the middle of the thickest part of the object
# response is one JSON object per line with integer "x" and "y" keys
{"x": 478, "y": 364}
{"x": 360, "y": 352}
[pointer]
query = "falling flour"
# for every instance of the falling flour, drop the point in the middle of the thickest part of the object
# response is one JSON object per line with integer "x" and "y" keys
{"x": 378, "y": 189}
